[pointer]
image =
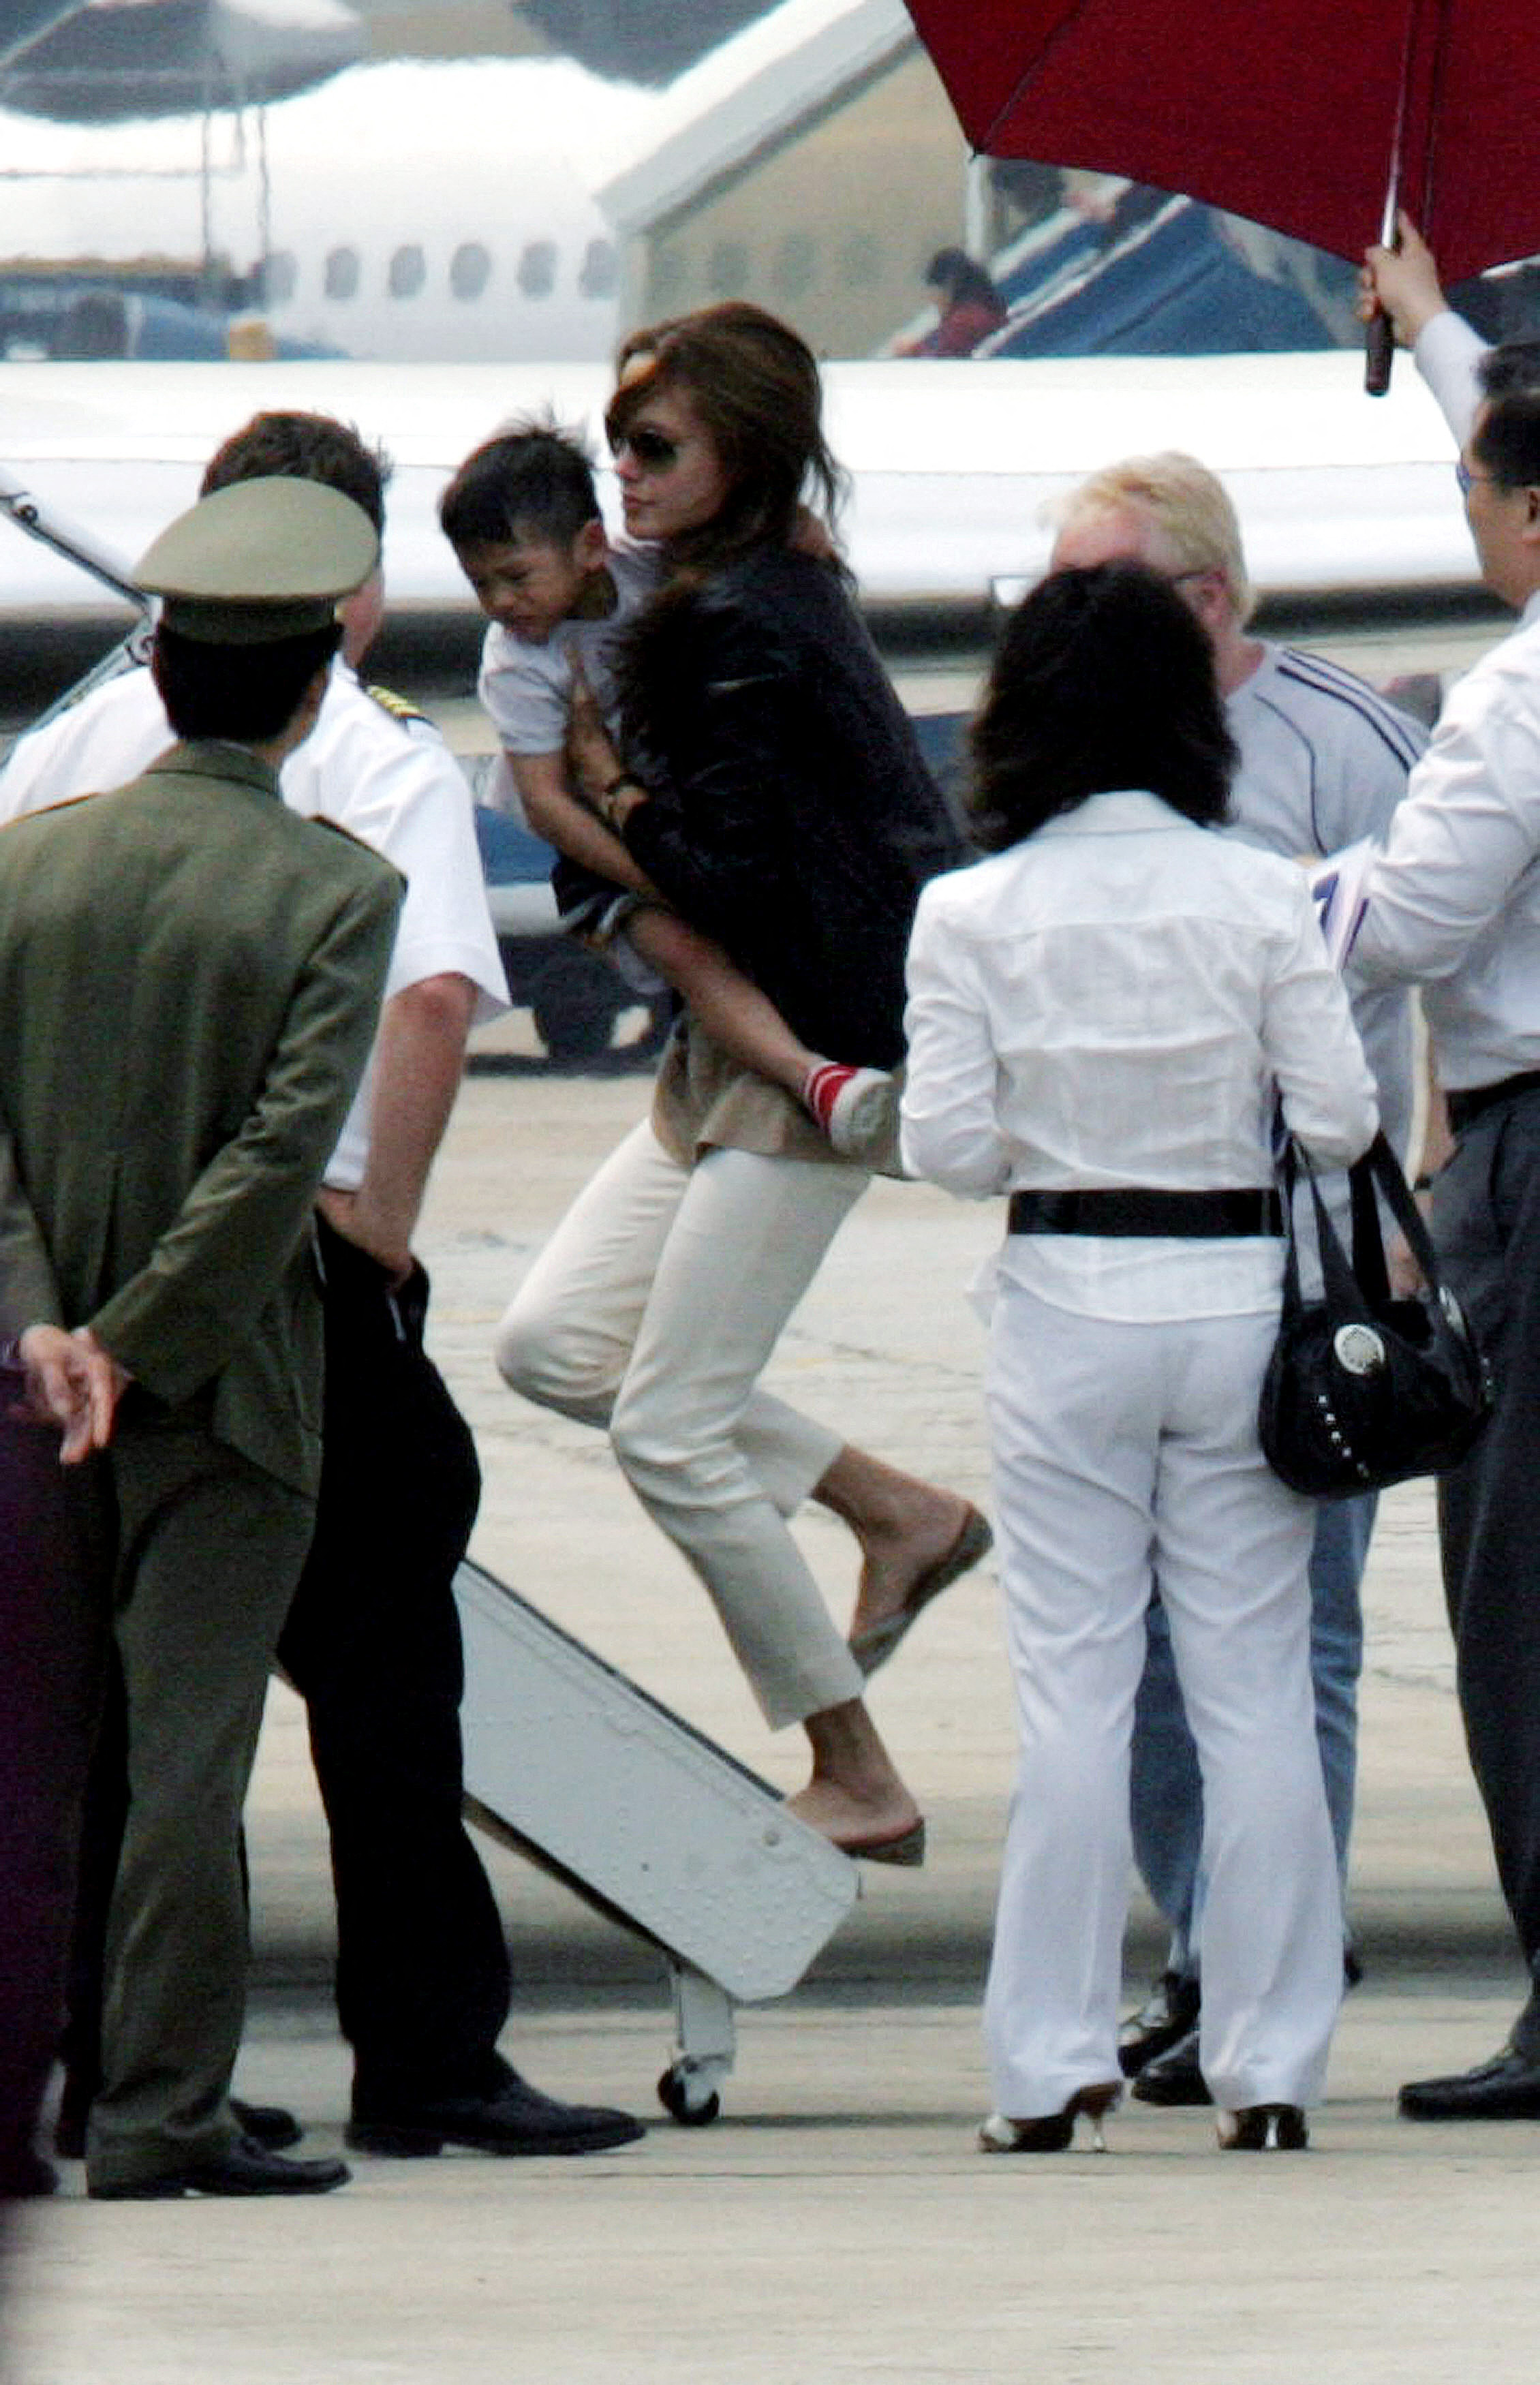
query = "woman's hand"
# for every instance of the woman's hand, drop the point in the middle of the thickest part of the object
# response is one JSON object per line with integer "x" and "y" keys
{"x": 590, "y": 757}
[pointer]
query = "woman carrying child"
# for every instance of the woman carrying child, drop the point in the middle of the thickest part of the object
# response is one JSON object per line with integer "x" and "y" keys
{"x": 774, "y": 799}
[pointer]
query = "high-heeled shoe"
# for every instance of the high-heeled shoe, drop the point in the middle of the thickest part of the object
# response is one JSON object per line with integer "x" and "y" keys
{"x": 1263, "y": 2128}
{"x": 1053, "y": 2132}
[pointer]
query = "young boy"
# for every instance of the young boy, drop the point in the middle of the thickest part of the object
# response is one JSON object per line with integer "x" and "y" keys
{"x": 523, "y": 520}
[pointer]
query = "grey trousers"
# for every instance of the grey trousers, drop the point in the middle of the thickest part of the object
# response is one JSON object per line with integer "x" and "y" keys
{"x": 209, "y": 1550}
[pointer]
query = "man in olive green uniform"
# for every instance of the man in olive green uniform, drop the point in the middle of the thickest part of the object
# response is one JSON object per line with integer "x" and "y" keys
{"x": 190, "y": 976}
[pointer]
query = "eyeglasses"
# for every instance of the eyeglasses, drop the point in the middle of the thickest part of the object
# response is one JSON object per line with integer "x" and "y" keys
{"x": 1466, "y": 479}
{"x": 650, "y": 449}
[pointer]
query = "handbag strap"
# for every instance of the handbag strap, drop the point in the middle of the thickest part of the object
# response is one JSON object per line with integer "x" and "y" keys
{"x": 1340, "y": 1282}
{"x": 1366, "y": 1285}
{"x": 1380, "y": 1161}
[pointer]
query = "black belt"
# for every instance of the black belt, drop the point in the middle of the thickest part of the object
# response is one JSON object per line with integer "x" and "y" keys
{"x": 1470, "y": 1104}
{"x": 1130, "y": 1209}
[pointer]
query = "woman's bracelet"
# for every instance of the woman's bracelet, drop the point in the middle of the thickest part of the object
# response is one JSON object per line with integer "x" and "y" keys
{"x": 621, "y": 785}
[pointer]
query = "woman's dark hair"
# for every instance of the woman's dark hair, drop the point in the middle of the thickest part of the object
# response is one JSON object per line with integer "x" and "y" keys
{"x": 246, "y": 693}
{"x": 754, "y": 382}
{"x": 1103, "y": 680}
{"x": 960, "y": 275}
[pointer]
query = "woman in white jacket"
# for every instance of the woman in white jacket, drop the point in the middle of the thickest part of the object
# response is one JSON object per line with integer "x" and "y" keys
{"x": 1102, "y": 1017}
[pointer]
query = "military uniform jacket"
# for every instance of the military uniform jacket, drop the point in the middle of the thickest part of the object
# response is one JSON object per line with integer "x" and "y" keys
{"x": 190, "y": 977}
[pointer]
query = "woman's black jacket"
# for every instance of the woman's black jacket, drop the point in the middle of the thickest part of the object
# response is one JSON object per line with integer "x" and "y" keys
{"x": 790, "y": 815}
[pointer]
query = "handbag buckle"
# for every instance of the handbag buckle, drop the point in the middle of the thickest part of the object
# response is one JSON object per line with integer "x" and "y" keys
{"x": 1359, "y": 1350}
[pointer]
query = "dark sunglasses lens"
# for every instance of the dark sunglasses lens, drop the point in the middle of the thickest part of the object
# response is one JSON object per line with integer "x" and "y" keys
{"x": 649, "y": 447}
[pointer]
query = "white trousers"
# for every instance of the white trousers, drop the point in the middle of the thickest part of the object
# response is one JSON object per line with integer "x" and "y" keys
{"x": 1123, "y": 1451}
{"x": 653, "y": 1309}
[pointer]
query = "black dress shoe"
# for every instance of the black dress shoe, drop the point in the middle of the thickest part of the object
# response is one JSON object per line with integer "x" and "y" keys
{"x": 265, "y": 2124}
{"x": 1507, "y": 2088}
{"x": 1174, "y": 2078}
{"x": 247, "y": 2168}
{"x": 510, "y": 2118}
{"x": 1168, "y": 2015}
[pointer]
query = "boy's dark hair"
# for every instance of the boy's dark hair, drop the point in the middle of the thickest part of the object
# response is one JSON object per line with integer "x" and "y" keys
{"x": 1508, "y": 445}
{"x": 245, "y": 693}
{"x": 1103, "y": 680}
{"x": 303, "y": 447}
{"x": 534, "y": 481}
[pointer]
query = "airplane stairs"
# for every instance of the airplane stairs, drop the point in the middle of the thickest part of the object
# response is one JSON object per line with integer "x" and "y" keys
{"x": 570, "y": 1763}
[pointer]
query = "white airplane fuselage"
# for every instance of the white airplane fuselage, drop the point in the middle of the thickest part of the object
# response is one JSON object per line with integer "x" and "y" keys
{"x": 952, "y": 465}
{"x": 408, "y": 210}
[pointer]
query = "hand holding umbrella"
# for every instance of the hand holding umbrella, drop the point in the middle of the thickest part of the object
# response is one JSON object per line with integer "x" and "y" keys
{"x": 1401, "y": 284}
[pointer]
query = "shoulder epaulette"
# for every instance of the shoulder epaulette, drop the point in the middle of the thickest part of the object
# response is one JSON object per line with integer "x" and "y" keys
{"x": 400, "y": 708}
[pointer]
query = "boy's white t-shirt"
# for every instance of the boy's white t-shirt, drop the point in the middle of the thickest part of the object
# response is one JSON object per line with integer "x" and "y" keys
{"x": 526, "y": 690}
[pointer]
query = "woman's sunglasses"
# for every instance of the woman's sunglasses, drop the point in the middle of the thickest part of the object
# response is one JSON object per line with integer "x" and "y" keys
{"x": 649, "y": 448}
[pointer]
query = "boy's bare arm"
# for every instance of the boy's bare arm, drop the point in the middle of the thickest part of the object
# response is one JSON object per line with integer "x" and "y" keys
{"x": 557, "y": 815}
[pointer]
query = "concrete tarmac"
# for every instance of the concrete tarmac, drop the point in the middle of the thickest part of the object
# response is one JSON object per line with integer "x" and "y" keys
{"x": 835, "y": 2224}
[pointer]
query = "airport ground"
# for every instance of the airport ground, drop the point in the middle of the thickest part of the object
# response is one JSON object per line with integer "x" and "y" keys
{"x": 836, "y": 2223}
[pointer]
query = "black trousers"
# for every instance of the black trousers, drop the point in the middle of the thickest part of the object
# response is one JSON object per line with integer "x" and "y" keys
{"x": 54, "y": 1634}
{"x": 1486, "y": 1226}
{"x": 372, "y": 1644}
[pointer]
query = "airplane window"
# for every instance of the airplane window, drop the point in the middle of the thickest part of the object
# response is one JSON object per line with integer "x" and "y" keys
{"x": 537, "y": 269}
{"x": 727, "y": 270}
{"x": 861, "y": 261}
{"x": 601, "y": 270}
{"x": 470, "y": 269}
{"x": 342, "y": 273}
{"x": 796, "y": 257}
{"x": 409, "y": 270}
{"x": 280, "y": 275}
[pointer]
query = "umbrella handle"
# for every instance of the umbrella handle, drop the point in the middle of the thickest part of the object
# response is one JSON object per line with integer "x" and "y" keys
{"x": 1379, "y": 347}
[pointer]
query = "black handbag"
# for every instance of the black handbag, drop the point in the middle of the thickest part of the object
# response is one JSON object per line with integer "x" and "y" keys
{"x": 1362, "y": 1389}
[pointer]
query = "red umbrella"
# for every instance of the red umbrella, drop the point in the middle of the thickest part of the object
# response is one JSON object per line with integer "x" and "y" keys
{"x": 1301, "y": 114}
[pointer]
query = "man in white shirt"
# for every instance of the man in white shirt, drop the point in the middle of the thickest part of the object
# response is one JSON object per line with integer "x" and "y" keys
{"x": 1323, "y": 761}
{"x": 372, "y": 1640}
{"x": 1453, "y": 902}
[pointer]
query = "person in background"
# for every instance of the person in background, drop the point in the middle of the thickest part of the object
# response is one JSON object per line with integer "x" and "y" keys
{"x": 968, "y": 307}
{"x": 1102, "y": 1014}
{"x": 1321, "y": 760}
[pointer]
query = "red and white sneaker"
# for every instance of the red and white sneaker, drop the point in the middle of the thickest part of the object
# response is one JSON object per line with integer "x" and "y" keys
{"x": 857, "y": 1109}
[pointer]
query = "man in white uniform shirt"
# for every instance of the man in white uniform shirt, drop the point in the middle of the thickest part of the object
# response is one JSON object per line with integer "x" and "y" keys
{"x": 1323, "y": 761}
{"x": 372, "y": 1641}
{"x": 1453, "y": 902}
